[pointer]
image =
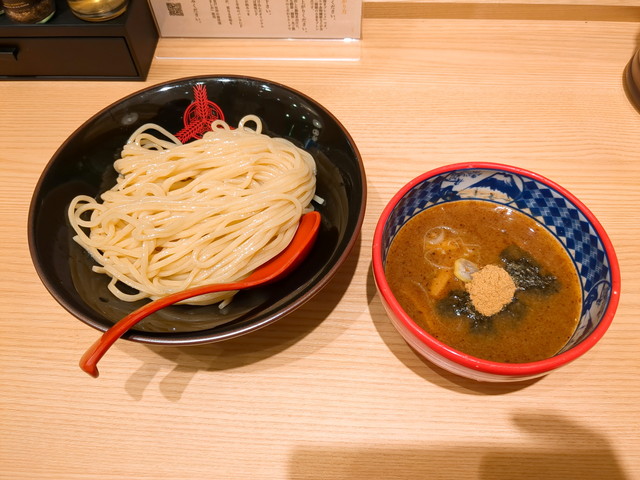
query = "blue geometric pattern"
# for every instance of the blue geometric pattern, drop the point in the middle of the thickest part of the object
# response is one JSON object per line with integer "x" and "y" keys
{"x": 549, "y": 207}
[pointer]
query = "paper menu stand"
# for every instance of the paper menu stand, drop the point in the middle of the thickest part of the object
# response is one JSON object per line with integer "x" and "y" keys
{"x": 267, "y": 19}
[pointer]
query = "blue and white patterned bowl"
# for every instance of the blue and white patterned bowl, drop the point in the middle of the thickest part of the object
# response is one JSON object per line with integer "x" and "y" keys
{"x": 549, "y": 204}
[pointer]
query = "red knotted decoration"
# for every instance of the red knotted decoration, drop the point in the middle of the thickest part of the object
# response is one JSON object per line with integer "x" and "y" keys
{"x": 199, "y": 115}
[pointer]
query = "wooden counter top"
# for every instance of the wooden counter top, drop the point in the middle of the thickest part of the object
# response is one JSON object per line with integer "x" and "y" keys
{"x": 332, "y": 391}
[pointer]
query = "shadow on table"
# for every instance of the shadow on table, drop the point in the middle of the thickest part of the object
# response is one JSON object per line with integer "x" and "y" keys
{"x": 247, "y": 350}
{"x": 418, "y": 364}
{"x": 556, "y": 448}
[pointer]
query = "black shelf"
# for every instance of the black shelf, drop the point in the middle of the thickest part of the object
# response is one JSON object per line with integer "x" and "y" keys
{"x": 67, "y": 47}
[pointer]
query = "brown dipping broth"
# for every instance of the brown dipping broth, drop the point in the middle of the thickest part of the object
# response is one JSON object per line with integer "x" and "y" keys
{"x": 420, "y": 273}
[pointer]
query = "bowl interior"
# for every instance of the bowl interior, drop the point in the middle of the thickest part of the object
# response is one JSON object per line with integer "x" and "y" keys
{"x": 572, "y": 225}
{"x": 84, "y": 165}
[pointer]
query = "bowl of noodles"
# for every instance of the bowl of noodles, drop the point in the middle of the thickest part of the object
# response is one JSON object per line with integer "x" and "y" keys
{"x": 493, "y": 272}
{"x": 193, "y": 182}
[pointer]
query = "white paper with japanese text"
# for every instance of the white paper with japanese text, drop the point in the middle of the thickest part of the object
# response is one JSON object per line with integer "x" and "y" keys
{"x": 326, "y": 19}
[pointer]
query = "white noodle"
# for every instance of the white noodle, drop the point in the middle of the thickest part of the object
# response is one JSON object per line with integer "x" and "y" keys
{"x": 184, "y": 215}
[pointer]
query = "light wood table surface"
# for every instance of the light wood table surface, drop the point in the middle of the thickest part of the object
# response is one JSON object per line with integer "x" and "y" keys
{"x": 332, "y": 391}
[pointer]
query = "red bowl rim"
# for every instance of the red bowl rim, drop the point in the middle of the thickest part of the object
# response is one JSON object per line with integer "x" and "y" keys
{"x": 474, "y": 363}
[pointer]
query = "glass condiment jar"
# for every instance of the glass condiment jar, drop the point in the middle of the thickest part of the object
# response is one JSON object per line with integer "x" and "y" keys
{"x": 97, "y": 10}
{"x": 29, "y": 11}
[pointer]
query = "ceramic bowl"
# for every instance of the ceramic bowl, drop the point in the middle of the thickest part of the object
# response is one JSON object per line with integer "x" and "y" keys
{"x": 84, "y": 165}
{"x": 564, "y": 216}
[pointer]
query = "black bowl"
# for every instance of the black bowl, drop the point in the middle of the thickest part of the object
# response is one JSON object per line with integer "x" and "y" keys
{"x": 84, "y": 165}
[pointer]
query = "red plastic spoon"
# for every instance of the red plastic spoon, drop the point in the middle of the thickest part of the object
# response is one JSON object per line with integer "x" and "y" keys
{"x": 280, "y": 265}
